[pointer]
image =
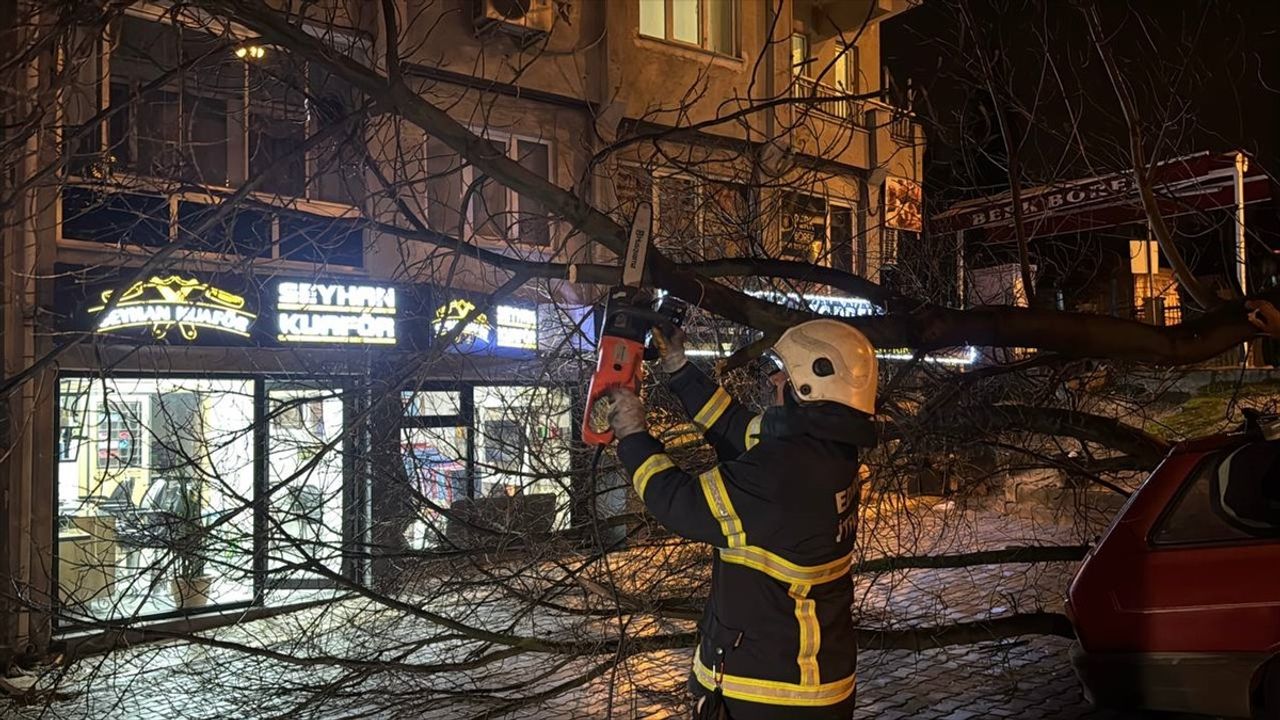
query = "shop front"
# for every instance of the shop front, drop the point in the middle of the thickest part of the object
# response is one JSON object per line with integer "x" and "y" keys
{"x": 217, "y": 439}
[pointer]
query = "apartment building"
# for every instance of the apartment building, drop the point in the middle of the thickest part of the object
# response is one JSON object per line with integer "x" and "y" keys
{"x": 223, "y": 276}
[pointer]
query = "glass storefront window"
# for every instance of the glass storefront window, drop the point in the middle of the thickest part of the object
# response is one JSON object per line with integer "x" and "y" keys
{"x": 432, "y": 403}
{"x": 166, "y": 503}
{"x": 484, "y": 459}
{"x": 522, "y": 449}
{"x": 435, "y": 462}
{"x": 305, "y": 482}
{"x": 155, "y": 488}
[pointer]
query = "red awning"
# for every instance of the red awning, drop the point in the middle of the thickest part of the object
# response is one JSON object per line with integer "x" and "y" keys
{"x": 1194, "y": 183}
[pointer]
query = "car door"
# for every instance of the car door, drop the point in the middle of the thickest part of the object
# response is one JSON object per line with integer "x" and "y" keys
{"x": 1211, "y": 582}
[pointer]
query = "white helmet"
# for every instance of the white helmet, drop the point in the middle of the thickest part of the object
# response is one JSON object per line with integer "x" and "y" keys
{"x": 830, "y": 360}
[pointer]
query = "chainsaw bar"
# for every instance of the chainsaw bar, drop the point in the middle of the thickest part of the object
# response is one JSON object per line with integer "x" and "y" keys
{"x": 633, "y": 264}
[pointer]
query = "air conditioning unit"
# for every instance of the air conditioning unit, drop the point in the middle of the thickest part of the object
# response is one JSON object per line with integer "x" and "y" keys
{"x": 524, "y": 20}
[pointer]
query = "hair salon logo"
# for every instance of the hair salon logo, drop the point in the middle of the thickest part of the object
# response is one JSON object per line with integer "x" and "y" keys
{"x": 163, "y": 303}
{"x": 454, "y": 312}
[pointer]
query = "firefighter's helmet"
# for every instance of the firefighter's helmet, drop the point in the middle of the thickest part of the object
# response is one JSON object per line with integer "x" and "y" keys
{"x": 829, "y": 360}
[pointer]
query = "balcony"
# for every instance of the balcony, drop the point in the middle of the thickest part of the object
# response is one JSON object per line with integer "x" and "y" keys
{"x": 838, "y": 106}
{"x": 902, "y": 127}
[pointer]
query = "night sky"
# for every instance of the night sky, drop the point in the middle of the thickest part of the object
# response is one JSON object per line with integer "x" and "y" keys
{"x": 1207, "y": 74}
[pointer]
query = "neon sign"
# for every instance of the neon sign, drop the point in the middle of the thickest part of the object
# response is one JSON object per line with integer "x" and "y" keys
{"x": 517, "y": 328}
{"x": 454, "y": 312}
{"x": 161, "y": 303}
{"x": 336, "y": 313}
{"x": 509, "y": 327}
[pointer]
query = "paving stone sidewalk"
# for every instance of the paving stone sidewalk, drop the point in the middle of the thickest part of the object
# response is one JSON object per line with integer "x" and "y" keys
{"x": 1028, "y": 677}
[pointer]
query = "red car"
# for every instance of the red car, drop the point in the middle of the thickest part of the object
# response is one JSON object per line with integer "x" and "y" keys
{"x": 1177, "y": 608}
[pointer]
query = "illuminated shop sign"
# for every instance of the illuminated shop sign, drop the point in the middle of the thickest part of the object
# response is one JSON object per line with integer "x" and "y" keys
{"x": 162, "y": 303}
{"x": 509, "y": 327}
{"x": 835, "y": 305}
{"x": 455, "y": 311}
{"x": 336, "y": 313}
{"x": 517, "y": 327}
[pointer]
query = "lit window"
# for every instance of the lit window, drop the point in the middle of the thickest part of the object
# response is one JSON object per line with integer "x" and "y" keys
{"x": 710, "y": 24}
{"x": 799, "y": 53}
{"x": 844, "y": 72}
{"x": 653, "y": 18}
{"x": 234, "y": 114}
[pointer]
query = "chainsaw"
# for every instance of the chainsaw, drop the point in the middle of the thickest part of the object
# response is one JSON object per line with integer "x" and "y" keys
{"x": 629, "y": 317}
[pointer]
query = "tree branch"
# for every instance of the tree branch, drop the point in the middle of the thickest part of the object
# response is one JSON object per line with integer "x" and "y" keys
{"x": 1141, "y": 169}
{"x": 967, "y": 633}
{"x": 1012, "y": 554}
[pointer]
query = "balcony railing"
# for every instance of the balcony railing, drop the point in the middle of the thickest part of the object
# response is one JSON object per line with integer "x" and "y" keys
{"x": 902, "y": 127}
{"x": 837, "y": 106}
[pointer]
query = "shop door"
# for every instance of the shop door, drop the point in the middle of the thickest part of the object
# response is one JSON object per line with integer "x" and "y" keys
{"x": 307, "y": 461}
{"x": 522, "y": 453}
{"x": 435, "y": 443}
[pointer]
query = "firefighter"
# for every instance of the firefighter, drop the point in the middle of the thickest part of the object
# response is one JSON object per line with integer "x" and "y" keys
{"x": 777, "y": 636}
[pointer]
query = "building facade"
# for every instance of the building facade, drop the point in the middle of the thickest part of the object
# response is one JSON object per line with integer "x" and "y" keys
{"x": 233, "y": 286}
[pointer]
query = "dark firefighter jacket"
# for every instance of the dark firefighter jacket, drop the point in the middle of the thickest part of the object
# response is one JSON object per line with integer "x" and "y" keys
{"x": 777, "y": 635}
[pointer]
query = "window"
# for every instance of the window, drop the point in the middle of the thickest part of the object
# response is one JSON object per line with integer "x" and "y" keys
{"x": 709, "y": 24}
{"x": 804, "y": 229}
{"x": 799, "y": 54}
{"x": 139, "y": 220}
{"x": 305, "y": 445}
{"x": 821, "y": 232}
{"x": 1232, "y": 496}
{"x": 695, "y": 219}
{"x": 221, "y": 116}
{"x": 842, "y": 240}
{"x": 444, "y": 188}
{"x": 180, "y": 129}
{"x": 154, "y": 502}
{"x": 499, "y": 213}
{"x": 891, "y": 240}
{"x": 726, "y": 220}
{"x": 677, "y": 230}
{"x": 485, "y": 464}
{"x": 844, "y": 72}
{"x": 631, "y": 184}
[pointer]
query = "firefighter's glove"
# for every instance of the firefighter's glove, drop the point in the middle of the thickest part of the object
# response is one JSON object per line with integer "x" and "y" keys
{"x": 626, "y": 417}
{"x": 670, "y": 349}
{"x": 1264, "y": 316}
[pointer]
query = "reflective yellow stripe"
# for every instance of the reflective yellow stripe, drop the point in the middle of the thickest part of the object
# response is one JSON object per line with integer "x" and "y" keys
{"x": 773, "y": 692}
{"x": 652, "y": 465}
{"x": 782, "y": 570}
{"x": 722, "y": 507}
{"x": 714, "y": 408}
{"x": 753, "y": 432}
{"x": 810, "y": 634}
